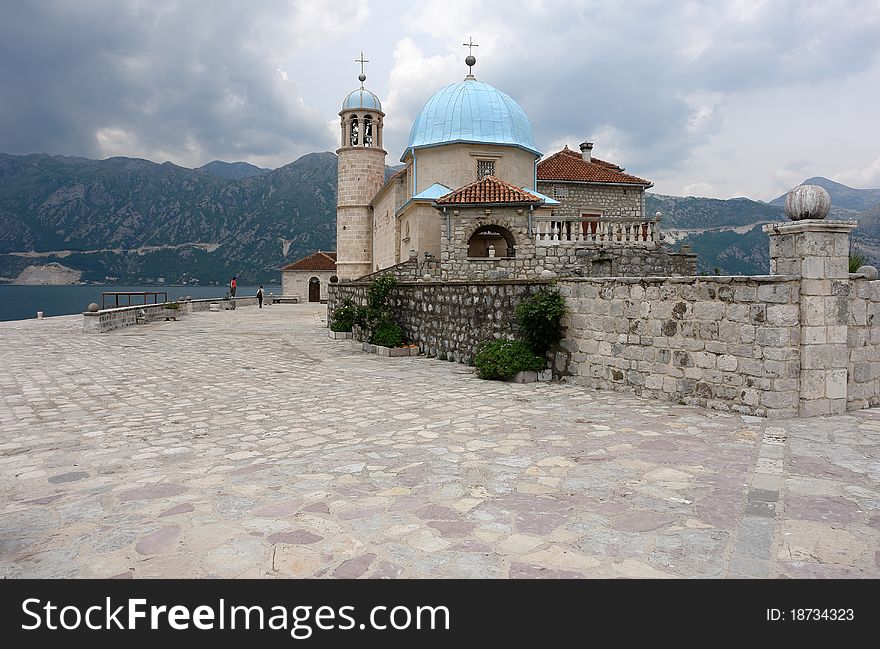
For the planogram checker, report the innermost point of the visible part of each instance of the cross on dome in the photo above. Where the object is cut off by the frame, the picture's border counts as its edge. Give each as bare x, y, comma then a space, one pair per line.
470, 61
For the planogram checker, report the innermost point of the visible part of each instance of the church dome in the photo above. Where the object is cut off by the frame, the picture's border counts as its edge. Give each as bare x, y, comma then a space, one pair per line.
361, 99
471, 111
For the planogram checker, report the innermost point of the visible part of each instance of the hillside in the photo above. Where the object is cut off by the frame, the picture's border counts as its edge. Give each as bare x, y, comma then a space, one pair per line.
692, 212
233, 170
126, 219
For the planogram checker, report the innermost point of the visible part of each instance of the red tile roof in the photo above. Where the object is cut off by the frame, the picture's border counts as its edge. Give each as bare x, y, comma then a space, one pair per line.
569, 165
488, 189
315, 261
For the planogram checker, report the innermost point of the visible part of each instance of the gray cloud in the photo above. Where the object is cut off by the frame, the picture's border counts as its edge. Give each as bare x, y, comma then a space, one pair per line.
693, 95
188, 79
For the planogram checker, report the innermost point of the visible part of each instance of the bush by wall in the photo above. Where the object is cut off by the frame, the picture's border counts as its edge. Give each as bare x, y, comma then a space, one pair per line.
388, 334
539, 317
343, 317
501, 359
376, 318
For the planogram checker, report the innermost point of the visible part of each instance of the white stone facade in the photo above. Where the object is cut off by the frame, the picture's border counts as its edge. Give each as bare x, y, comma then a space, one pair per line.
296, 283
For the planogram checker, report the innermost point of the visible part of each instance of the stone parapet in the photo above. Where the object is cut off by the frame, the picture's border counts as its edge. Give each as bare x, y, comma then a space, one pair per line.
727, 343
106, 320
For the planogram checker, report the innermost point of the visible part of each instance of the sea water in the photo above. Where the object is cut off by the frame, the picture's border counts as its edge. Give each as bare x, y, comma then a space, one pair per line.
22, 302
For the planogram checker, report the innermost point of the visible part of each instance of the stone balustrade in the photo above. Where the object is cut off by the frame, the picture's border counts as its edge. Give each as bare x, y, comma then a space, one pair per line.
598, 231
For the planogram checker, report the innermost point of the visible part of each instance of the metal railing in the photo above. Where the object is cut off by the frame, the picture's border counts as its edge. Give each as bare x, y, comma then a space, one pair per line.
626, 231
114, 296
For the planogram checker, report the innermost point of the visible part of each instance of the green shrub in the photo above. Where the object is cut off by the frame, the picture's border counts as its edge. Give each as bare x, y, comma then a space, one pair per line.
539, 317
379, 290
501, 359
172, 305
388, 334
375, 318
343, 317
856, 262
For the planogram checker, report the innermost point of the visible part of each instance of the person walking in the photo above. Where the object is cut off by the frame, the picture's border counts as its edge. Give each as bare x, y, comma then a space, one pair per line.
260, 297
232, 286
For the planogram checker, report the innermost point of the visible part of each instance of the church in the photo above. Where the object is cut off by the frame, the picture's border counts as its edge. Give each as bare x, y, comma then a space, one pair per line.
476, 200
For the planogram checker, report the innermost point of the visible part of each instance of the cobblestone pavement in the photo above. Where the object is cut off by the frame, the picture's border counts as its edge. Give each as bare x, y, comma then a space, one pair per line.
248, 444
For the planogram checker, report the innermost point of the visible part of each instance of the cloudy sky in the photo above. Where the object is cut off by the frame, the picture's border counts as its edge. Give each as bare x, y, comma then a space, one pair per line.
735, 98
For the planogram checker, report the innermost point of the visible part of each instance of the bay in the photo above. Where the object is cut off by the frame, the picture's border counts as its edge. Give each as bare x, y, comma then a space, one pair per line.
19, 302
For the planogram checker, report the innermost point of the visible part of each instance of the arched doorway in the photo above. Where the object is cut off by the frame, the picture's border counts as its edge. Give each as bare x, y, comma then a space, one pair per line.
491, 241
314, 290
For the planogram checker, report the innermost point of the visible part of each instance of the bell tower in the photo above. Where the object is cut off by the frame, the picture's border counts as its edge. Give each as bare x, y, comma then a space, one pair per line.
361, 174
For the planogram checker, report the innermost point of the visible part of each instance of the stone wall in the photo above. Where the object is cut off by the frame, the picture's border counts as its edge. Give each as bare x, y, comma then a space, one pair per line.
863, 341
606, 200
730, 343
106, 320
614, 261
448, 319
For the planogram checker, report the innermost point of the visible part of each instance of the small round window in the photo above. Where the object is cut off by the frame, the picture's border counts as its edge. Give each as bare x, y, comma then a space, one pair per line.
333, 279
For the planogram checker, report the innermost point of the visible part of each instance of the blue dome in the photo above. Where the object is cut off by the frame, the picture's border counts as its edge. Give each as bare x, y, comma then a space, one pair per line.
361, 99
471, 111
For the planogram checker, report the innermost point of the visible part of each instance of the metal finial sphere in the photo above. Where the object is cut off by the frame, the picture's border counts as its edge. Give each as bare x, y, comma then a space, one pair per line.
362, 77
470, 61
807, 202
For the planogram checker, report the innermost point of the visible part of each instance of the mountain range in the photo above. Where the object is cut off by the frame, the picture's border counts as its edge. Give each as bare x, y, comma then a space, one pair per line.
727, 236
127, 220
131, 220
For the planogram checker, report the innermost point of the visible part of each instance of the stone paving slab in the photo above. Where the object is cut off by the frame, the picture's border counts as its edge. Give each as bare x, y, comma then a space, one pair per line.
248, 443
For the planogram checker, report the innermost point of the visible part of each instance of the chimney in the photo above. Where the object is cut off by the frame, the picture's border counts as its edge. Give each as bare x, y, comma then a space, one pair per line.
587, 151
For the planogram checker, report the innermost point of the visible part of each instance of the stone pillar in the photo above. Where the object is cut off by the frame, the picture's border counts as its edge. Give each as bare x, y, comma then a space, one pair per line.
818, 252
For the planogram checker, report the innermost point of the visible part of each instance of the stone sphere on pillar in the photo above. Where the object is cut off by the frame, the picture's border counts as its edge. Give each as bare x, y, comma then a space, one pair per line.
807, 202
868, 271
93, 308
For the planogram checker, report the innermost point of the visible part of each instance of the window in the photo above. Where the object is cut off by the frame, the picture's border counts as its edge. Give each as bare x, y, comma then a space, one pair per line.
485, 168
560, 192
334, 279
368, 131
354, 131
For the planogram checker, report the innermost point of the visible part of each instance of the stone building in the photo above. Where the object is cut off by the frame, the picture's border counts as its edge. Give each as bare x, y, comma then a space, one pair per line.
475, 201
307, 279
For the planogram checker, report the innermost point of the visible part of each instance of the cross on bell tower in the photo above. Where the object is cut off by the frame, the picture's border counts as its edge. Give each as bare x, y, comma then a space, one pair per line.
470, 61
362, 77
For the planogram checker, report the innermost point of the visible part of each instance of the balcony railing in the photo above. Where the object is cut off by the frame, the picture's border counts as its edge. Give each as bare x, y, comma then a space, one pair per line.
597, 231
